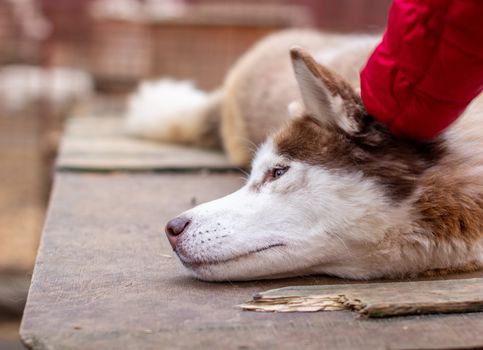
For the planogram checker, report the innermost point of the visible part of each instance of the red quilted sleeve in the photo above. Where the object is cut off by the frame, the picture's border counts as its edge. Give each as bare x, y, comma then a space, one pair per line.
428, 67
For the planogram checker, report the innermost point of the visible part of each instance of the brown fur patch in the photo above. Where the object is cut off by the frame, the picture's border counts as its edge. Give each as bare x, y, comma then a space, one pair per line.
448, 211
395, 163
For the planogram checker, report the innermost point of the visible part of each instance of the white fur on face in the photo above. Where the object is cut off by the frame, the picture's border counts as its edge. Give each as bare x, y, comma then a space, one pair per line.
310, 220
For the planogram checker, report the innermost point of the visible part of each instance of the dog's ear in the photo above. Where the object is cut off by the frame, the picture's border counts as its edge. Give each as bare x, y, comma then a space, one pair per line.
326, 96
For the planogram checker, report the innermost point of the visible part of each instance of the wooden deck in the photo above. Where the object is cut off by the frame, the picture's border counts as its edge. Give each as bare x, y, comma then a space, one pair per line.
106, 278
99, 144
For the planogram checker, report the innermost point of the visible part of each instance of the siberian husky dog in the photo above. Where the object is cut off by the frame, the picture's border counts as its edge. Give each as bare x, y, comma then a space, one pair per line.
330, 190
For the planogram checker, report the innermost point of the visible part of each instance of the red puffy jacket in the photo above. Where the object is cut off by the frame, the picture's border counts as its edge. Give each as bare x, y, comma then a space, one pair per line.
428, 67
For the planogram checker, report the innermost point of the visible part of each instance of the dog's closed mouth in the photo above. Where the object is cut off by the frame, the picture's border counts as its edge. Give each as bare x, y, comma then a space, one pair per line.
200, 263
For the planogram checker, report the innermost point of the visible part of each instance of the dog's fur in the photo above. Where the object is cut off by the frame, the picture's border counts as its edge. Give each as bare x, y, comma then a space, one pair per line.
331, 191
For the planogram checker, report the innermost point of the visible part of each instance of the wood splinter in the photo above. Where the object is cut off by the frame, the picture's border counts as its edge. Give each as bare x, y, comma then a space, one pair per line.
375, 299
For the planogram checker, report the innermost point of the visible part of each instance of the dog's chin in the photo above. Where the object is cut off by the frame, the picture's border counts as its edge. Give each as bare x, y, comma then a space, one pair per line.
229, 272
240, 274
243, 267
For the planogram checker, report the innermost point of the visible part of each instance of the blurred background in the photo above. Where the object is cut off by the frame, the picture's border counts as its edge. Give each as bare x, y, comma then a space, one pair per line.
59, 57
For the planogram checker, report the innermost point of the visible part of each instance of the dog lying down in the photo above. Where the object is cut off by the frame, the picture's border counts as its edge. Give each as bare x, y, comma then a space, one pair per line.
330, 191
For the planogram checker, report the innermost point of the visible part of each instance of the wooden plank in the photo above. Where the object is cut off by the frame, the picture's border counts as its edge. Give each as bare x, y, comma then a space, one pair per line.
376, 299
100, 144
106, 278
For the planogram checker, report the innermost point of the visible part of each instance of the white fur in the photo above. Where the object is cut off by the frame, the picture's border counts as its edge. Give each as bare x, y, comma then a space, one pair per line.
295, 109
163, 109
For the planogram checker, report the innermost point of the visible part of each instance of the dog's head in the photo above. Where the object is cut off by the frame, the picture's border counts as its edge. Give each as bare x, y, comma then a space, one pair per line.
325, 195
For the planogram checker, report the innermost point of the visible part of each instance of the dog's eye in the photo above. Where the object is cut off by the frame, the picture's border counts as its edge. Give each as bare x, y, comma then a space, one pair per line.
274, 173
278, 171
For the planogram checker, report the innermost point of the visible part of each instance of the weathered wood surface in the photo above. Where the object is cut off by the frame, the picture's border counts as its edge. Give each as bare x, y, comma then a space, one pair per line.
100, 144
376, 299
106, 278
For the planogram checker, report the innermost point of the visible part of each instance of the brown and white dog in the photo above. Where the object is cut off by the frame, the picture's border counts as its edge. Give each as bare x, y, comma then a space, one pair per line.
331, 191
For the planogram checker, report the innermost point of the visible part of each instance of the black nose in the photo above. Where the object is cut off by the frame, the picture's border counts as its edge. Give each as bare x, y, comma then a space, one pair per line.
174, 229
